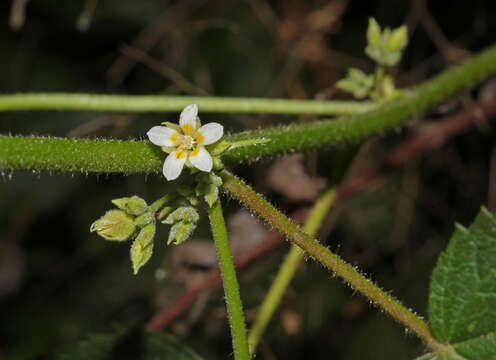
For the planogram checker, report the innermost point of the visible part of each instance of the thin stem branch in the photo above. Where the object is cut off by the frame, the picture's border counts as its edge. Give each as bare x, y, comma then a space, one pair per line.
230, 283
39, 153
158, 103
352, 276
287, 270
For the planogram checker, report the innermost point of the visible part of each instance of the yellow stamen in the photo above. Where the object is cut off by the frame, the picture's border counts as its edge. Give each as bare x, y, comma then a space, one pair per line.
180, 154
199, 138
188, 129
174, 137
195, 152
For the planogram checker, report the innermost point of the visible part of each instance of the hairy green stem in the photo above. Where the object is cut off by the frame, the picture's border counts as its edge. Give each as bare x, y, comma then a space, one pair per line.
39, 153
230, 283
130, 103
353, 277
288, 268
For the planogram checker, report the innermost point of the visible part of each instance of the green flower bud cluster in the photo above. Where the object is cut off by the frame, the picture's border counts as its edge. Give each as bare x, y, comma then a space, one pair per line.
183, 221
357, 83
134, 219
385, 48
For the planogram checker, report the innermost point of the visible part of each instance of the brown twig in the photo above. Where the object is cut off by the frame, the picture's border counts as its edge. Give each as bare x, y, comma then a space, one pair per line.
18, 14
163, 69
166, 316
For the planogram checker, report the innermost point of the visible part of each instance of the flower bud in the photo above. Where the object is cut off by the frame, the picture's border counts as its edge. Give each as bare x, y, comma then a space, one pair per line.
144, 219
184, 213
133, 205
180, 232
142, 248
115, 225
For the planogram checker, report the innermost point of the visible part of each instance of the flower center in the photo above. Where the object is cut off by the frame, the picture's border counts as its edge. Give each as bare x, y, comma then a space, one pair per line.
185, 142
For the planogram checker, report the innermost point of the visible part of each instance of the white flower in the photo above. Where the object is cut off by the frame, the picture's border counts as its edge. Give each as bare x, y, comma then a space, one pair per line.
187, 144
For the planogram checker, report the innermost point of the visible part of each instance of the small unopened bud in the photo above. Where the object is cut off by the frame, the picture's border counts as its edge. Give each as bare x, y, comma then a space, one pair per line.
142, 248
132, 205
180, 232
184, 213
211, 194
115, 225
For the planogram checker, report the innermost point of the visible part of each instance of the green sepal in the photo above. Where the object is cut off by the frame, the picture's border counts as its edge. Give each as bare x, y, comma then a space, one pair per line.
185, 190
208, 187
142, 248
180, 232
168, 149
211, 194
217, 165
164, 212
198, 123
211, 178
249, 142
144, 219
133, 205
184, 213
115, 225
173, 126
218, 147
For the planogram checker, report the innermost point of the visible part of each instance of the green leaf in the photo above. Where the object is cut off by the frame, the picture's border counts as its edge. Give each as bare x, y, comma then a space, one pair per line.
115, 225
398, 39
462, 299
133, 205
142, 248
144, 219
130, 344
374, 37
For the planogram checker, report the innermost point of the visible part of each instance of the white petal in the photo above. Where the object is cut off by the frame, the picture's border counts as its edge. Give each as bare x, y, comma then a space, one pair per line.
201, 159
173, 164
187, 119
210, 133
161, 135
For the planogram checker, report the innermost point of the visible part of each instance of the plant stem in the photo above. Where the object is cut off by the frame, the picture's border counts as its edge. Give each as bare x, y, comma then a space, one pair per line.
133, 103
287, 270
230, 283
41, 153
353, 277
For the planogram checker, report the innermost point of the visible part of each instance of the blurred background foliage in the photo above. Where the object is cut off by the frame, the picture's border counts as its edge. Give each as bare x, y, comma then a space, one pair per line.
59, 283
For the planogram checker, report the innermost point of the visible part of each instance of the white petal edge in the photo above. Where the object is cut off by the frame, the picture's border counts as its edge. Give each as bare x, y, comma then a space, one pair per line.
211, 132
161, 135
188, 116
202, 161
173, 166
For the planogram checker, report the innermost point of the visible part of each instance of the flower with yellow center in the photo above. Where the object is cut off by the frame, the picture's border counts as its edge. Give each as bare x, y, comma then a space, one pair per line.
188, 143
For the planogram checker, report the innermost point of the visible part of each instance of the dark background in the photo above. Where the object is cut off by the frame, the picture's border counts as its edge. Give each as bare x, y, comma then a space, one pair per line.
59, 283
